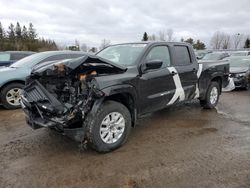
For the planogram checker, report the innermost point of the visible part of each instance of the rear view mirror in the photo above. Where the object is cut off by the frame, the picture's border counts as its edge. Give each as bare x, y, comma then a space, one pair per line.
151, 65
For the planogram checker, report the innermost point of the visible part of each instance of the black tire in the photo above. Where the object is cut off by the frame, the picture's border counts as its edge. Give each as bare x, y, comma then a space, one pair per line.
93, 125
208, 103
247, 86
5, 91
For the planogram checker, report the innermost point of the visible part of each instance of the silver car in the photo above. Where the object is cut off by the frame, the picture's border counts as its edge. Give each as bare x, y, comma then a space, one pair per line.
12, 78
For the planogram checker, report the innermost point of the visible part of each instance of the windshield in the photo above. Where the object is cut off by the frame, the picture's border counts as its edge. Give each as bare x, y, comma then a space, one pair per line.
239, 62
29, 61
212, 56
4, 57
124, 54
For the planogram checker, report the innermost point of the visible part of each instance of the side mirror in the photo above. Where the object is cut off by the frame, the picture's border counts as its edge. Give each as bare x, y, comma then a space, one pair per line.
151, 65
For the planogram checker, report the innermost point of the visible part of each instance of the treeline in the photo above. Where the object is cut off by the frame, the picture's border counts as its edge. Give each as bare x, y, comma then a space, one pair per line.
219, 40
222, 40
169, 37
24, 39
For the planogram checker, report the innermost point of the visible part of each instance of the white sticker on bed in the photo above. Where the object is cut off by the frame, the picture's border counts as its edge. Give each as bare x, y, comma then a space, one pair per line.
197, 91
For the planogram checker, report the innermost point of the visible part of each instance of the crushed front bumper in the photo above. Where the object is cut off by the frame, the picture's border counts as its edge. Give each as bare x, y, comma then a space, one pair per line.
37, 121
240, 82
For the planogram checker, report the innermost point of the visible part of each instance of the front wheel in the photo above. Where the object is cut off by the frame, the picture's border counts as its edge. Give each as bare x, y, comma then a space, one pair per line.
110, 127
212, 96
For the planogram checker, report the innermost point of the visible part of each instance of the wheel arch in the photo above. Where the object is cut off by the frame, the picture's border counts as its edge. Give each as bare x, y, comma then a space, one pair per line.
205, 82
126, 95
11, 82
219, 80
127, 100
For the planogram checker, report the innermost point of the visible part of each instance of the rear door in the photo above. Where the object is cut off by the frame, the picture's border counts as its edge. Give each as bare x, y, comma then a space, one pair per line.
186, 68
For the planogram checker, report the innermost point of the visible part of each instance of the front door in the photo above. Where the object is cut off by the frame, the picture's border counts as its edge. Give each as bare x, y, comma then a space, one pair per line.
156, 87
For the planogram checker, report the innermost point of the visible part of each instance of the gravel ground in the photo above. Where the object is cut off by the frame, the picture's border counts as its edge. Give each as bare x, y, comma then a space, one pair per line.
182, 146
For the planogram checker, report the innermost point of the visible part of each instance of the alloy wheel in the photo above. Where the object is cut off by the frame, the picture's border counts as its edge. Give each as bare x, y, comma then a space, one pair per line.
13, 96
112, 127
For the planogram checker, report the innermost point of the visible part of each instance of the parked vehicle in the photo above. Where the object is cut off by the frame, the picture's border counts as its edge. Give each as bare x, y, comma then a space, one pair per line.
12, 78
201, 53
215, 56
240, 53
9, 57
240, 71
98, 99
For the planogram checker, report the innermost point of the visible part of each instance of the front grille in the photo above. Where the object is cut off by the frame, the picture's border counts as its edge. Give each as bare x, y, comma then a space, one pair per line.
34, 93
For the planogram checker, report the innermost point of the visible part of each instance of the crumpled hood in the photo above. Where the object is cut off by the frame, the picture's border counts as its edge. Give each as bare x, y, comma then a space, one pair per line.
85, 61
238, 69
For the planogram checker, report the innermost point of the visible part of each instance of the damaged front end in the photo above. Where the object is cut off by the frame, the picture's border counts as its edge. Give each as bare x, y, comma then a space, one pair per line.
59, 95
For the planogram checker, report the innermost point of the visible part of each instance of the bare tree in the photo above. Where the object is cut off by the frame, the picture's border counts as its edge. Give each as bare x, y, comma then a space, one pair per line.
216, 40
84, 47
237, 39
62, 46
170, 33
104, 43
77, 45
226, 41
152, 37
162, 36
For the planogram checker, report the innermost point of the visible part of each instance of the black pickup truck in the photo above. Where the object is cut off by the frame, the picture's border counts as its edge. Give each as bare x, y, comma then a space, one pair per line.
96, 99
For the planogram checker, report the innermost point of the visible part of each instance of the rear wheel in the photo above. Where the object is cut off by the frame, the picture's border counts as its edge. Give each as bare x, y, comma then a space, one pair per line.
11, 95
212, 96
110, 127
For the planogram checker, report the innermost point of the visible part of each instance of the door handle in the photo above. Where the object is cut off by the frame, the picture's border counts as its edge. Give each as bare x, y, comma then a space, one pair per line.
173, 73
194, 69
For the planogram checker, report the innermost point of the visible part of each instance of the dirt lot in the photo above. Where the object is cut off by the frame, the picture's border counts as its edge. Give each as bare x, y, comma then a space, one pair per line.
183, 146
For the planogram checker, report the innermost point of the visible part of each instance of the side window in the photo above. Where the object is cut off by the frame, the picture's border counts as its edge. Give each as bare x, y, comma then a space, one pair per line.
159, 53
17, 56
182, 56
56, 57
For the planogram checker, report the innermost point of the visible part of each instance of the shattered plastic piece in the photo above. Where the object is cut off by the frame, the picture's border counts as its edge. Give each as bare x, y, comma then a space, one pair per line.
230, 86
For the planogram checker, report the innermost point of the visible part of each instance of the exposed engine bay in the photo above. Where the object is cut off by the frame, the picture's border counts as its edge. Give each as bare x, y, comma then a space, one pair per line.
62, 94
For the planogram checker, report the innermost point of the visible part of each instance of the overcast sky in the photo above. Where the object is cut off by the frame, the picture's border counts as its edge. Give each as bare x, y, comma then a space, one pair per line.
90, 21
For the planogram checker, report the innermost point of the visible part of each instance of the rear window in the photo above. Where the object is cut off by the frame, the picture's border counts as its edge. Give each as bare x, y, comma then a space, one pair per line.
182, 56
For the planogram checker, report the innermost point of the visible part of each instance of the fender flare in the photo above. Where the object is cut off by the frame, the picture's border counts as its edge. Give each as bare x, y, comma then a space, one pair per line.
113, 90
208, 81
